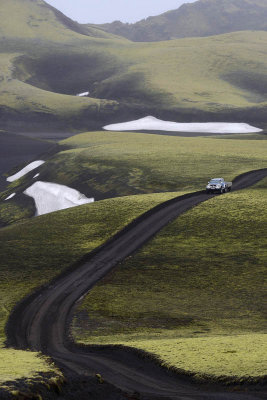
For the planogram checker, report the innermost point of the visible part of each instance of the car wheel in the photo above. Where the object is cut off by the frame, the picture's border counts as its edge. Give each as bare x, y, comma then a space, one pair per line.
221, 191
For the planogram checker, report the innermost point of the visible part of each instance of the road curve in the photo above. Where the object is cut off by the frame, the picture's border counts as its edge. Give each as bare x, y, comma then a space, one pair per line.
41, 321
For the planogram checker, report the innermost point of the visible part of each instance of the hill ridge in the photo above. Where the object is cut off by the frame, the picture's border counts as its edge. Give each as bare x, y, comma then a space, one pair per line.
198, 19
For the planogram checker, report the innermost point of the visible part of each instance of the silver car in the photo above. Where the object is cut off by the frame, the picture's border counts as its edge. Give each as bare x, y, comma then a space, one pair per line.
218, 185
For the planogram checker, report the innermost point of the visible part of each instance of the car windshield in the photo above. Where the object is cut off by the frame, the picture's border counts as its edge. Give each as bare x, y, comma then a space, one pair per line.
215, 181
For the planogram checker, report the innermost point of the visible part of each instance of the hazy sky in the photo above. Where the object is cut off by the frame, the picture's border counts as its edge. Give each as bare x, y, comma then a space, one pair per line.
100, 11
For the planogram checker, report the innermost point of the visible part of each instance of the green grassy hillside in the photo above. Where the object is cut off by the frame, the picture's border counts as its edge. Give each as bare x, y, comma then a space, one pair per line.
32, 31
48, 244
109, 164
27, 107
29, 19
45, 246
202, 18
225, 70
229, 359
112, 164
22, 371
159, 278
46, 60
193, 295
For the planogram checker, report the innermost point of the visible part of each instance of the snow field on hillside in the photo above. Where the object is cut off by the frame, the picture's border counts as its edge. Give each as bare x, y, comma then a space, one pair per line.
50, 197
84, 94
30, 167
10, 197
152, 123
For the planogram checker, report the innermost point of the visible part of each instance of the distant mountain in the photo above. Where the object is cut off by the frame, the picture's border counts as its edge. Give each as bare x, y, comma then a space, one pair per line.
202, 18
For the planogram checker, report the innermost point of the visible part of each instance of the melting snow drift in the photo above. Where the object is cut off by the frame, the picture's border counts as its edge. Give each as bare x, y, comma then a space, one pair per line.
51, 197
10, 197
25, 170
152, 123
83, 94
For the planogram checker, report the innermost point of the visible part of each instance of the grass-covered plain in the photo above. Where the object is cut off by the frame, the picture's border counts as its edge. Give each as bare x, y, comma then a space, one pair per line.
199, 278
108, 164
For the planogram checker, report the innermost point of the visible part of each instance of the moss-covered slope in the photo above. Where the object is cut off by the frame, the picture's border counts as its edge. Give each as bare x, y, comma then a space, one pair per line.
108, 164
45, 246
200, 278
112, 164
46, 60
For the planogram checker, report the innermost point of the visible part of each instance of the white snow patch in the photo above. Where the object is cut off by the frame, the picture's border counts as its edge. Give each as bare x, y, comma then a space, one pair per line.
36, 176
83, 94
152, 123
50, 197
25, 170
11, 196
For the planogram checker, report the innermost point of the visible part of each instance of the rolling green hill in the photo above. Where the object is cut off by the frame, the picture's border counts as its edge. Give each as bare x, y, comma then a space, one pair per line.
197, 287
193, 295
46, 246
33, 32
31, 19
201, 18
167, 286
111, 164
46, 61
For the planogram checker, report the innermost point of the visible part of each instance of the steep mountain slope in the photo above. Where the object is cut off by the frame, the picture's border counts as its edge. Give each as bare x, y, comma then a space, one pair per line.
32, 31
36, 18
202, 18
45, 62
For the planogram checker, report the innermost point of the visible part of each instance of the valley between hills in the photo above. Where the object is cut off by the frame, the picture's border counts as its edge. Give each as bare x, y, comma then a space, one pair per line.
121, 278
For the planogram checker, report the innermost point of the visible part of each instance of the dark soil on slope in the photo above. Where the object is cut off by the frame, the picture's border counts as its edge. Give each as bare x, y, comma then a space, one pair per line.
16, 150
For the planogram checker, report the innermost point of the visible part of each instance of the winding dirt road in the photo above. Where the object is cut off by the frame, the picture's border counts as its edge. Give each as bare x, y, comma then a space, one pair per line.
41, 321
